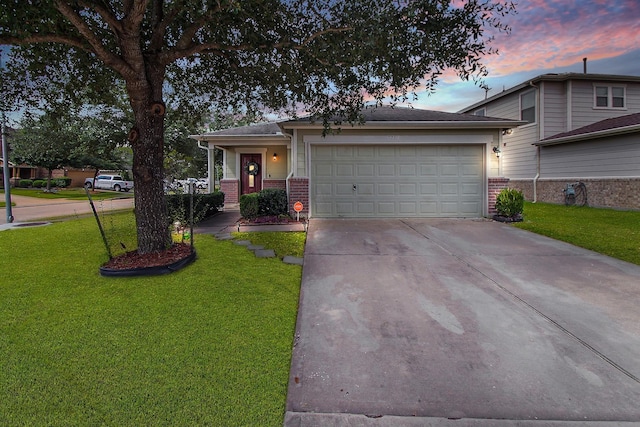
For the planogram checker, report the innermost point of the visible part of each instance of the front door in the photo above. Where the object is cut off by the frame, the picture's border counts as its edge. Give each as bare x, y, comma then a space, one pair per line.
251, 181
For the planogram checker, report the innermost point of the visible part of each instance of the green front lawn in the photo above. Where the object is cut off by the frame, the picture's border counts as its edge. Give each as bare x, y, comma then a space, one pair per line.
611, 232
208, 345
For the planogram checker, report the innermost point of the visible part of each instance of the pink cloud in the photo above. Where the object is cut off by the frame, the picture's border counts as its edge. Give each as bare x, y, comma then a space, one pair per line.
547, 34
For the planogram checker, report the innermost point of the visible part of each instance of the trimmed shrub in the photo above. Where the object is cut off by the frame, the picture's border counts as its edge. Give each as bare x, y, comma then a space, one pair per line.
249, 205
25, 183
204, 205
273, 201
39, 183
62, 182
510, 202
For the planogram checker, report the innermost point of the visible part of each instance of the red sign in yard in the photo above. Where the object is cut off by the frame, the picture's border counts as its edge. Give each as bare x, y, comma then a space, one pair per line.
297, 206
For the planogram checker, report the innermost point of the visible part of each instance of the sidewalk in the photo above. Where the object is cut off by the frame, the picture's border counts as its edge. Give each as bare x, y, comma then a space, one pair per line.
29, 209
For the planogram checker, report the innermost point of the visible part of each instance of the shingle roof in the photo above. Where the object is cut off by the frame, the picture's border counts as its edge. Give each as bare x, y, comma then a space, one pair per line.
615, 123
262, 129
406, 114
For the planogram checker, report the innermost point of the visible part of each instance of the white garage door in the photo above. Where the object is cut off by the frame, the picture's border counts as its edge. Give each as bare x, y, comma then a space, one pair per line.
360, 181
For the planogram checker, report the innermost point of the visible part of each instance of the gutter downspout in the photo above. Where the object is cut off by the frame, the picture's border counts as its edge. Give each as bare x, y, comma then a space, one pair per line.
535, 179
212, 185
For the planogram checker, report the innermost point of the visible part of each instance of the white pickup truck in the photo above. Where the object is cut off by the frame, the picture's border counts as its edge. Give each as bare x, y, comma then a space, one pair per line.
109, 182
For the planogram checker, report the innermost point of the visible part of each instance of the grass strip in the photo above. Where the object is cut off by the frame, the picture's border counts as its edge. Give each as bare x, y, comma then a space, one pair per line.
610, 232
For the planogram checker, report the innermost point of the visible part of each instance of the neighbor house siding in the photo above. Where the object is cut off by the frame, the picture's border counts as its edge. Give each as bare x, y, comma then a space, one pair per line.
583, 113
614, 156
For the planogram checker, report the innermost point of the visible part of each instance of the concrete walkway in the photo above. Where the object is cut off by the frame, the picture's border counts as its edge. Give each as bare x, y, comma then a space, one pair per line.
461, 323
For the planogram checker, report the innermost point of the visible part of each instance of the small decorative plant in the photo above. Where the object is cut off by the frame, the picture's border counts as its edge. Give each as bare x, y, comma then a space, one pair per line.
510, 204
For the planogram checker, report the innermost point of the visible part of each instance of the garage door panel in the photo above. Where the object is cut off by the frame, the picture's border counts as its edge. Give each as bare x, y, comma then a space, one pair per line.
428, 189
366, 170
448, 189
366, 189
449, 169
387, 170
428, 170
407, 170
470, 188
397, 181
408, 189
324, 189
386, 208
344, 189
408, 208
386, 189
345, 170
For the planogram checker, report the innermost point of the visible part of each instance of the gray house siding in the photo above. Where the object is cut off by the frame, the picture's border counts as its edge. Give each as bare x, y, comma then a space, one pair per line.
519, 159
554, 108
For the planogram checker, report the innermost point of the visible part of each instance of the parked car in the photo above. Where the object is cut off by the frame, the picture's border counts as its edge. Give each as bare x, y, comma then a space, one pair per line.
108, 182
200, 183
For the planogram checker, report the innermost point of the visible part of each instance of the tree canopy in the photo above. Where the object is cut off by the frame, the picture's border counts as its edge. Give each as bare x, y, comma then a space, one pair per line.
322, 57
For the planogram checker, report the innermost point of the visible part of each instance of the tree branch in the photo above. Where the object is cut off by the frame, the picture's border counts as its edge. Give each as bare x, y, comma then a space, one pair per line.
109, 58
195, 48
160, 28
47, 38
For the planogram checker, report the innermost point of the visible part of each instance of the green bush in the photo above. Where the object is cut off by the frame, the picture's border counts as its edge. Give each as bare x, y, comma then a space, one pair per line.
204, 205
25, 183
510, 202
249, 205
273, 201
62, 182
39, 183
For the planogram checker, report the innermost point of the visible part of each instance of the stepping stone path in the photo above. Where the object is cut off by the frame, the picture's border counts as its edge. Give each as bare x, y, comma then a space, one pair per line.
261, 252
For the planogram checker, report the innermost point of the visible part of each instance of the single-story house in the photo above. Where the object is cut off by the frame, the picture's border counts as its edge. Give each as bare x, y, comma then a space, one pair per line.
401, 162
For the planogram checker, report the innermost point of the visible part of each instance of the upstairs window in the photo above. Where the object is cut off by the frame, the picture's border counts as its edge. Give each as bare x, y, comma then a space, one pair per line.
528, 106
480, 112
609, 96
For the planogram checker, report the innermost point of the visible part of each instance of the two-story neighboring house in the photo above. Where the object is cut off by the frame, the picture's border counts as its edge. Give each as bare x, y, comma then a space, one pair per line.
582, 127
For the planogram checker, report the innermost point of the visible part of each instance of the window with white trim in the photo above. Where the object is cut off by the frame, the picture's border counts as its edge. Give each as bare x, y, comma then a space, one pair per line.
481, 112
528, 106
605, 96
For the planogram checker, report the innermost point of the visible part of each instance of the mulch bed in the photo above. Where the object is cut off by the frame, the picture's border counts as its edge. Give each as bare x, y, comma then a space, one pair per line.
133, 259
267, 220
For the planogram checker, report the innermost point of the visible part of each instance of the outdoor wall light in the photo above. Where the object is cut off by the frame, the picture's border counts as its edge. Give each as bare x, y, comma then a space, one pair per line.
497, 151
507, 131
275, 156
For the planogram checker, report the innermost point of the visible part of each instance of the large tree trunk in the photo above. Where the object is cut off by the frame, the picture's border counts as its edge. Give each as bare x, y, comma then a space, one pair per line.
147, 141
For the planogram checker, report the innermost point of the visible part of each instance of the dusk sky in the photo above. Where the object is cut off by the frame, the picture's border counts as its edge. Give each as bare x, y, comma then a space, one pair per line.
550, 36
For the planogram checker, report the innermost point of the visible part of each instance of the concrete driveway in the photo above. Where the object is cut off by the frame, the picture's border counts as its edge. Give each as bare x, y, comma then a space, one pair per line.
461, 322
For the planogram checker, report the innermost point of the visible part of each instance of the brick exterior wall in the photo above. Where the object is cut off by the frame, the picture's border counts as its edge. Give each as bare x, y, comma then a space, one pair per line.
299, 192
280, 184
620, 193
495, 186
231, 190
